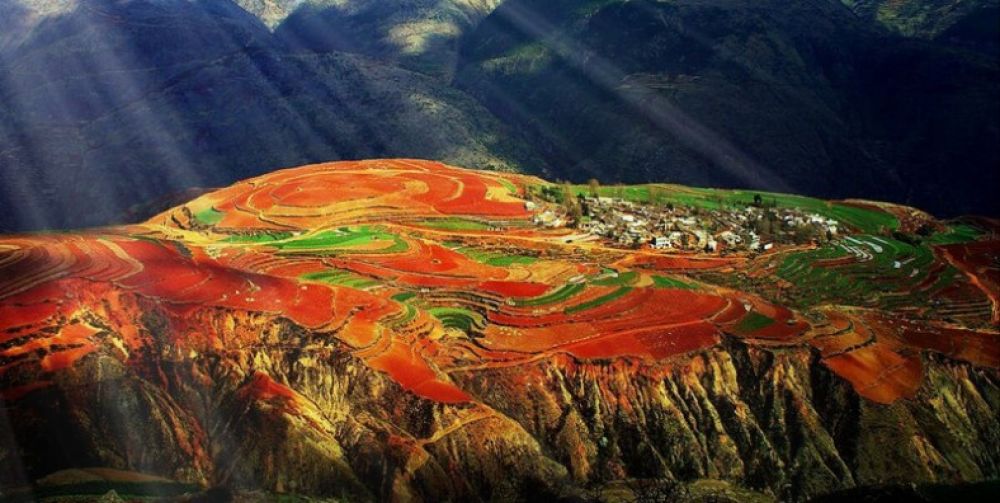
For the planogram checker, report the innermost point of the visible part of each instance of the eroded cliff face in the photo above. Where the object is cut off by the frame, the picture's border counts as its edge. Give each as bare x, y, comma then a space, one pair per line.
254, 402
258, 403
773, 419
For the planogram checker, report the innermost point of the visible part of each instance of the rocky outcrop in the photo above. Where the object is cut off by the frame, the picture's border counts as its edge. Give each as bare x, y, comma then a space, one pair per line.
262, 404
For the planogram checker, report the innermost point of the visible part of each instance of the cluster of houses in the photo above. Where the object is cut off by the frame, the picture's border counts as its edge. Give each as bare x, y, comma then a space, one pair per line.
750, 228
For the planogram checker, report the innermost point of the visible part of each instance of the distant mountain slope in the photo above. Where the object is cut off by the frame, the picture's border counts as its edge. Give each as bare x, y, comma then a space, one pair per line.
117, 103
418, 34
800, 96
969, 21
141, 98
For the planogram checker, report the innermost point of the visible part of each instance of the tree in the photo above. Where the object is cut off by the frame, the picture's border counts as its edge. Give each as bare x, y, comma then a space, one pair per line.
595, 187
567, 194
571, 204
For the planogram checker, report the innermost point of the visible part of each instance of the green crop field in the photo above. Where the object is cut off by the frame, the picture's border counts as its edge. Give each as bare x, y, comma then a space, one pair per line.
454, 224
338, 277
494, 258
958, 233
753, 322
456, 317
408, 315
258, 238
511, 188
623, 279
878, 266
668, 282
209, 216
403, 296
342, 240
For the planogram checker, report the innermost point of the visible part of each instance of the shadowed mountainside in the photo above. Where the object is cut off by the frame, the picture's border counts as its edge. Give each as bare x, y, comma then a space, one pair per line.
113, 104
800, 96
141, 98
974, 23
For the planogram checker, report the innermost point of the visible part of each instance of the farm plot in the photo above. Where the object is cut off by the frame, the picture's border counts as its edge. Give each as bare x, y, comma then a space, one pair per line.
860, 270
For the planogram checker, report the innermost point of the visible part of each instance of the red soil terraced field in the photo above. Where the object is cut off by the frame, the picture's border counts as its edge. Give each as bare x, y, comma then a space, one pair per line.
980, 261
351, 193
362, 256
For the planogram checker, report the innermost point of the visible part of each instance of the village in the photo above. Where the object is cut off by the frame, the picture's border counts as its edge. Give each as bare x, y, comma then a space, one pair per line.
752, 228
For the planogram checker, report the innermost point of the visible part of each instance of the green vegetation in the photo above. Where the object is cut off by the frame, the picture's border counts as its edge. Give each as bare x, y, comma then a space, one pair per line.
860, 270
622, 279
604, 299
753, 322
958, 233
866, 220
509, 185
341, 240
668, 282
497, 259
339, 277
403, 296
209, 216
456, 317
408, 316
258, 238
454, 224
562, 293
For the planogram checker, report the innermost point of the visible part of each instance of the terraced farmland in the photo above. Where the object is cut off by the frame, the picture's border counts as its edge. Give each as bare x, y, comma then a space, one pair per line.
865, 270
387, 308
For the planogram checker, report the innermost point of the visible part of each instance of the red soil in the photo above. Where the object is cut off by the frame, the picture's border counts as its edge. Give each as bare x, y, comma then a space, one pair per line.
980, 261
50, 283
878, 373
514, 288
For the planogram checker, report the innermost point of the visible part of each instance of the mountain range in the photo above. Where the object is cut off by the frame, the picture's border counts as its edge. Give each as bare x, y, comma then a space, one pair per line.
109, 104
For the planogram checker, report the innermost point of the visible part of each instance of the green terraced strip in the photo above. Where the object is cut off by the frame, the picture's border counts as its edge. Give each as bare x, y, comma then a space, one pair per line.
667, 282
403, 296
455, 317
339, 277
509, 260
604, 299
509, 185
408, 316
267, 237
754, 322
454, 224
564, 292
858, 282
341, 240
496, 259
209, 216
623, 279
960, 233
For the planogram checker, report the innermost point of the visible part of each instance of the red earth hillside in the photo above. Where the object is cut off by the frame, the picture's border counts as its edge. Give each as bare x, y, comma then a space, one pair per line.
424, 273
